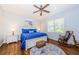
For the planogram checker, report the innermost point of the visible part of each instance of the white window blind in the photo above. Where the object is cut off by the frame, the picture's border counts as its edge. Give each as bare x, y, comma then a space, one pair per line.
56, 25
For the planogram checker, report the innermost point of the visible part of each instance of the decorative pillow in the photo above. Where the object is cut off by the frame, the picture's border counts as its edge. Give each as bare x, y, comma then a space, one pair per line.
25, 31
34, 30
31, 31
28, 30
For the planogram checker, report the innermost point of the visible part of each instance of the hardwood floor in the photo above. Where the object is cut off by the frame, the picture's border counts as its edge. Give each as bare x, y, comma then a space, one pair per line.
14, 49
72, 50
11, 49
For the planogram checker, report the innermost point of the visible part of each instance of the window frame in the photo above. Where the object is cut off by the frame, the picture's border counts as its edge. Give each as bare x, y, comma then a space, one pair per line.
54, 25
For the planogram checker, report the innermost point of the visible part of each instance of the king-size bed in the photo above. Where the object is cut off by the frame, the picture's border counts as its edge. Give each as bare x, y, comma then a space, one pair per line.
29, 37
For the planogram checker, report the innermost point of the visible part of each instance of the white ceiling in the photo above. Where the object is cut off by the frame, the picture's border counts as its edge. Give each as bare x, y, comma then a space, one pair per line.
28, 9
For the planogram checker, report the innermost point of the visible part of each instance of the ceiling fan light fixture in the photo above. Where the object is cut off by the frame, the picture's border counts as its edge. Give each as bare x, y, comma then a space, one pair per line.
41, 9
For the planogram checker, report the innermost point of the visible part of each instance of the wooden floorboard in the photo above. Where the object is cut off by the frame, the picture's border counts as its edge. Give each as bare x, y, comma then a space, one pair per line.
14, 49
73, 50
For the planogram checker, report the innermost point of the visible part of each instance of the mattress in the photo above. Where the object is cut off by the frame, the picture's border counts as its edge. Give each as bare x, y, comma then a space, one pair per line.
32, 42
30, 36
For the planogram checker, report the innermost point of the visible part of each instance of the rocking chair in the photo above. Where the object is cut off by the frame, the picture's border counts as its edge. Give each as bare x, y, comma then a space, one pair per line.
64, 39
75, 41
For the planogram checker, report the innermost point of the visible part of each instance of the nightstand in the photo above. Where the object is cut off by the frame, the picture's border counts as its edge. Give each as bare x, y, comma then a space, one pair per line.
12, 38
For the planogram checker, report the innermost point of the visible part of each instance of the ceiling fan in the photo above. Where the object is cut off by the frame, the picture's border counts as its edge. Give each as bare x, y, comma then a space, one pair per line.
41, 9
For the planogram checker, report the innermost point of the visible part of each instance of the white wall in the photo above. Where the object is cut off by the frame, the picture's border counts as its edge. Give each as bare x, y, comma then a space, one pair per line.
71, 22
11, 20
1, 26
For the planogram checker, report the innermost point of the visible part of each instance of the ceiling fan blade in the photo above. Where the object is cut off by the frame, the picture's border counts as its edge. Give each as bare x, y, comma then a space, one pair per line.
36, 6
46, 11
45, 6
41, 13
36, 11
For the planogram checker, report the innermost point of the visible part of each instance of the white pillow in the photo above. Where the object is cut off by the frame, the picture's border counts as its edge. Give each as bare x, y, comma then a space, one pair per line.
31, 31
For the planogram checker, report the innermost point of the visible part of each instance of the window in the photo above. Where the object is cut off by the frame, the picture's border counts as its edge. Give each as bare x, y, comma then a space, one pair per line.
51, 26
56, 25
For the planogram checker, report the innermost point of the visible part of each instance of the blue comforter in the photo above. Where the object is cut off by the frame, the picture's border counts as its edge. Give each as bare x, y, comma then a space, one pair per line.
27, 36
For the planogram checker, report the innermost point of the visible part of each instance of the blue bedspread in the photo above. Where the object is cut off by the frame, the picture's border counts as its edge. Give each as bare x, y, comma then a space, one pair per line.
27, 36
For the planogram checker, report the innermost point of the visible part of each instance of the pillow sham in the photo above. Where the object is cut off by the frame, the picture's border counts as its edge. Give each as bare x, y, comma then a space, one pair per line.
28, 30
25, 31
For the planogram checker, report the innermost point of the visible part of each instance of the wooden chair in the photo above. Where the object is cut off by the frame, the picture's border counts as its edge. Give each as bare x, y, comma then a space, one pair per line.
75, 41
64, 39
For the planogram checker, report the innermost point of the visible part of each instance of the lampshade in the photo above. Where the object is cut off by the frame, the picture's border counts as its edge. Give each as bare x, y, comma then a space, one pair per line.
13, 29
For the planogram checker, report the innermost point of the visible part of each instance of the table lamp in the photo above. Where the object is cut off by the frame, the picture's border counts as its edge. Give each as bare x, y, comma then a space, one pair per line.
13, 31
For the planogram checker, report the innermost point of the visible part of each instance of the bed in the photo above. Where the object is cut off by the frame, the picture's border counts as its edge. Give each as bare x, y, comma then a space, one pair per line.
29, 37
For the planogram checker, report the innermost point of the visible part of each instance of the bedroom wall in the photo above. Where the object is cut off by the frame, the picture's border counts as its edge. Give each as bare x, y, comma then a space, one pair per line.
1, 25
15, 21
71, 22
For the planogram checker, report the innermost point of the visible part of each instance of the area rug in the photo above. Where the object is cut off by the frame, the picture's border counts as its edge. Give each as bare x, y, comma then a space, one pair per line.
48, 49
